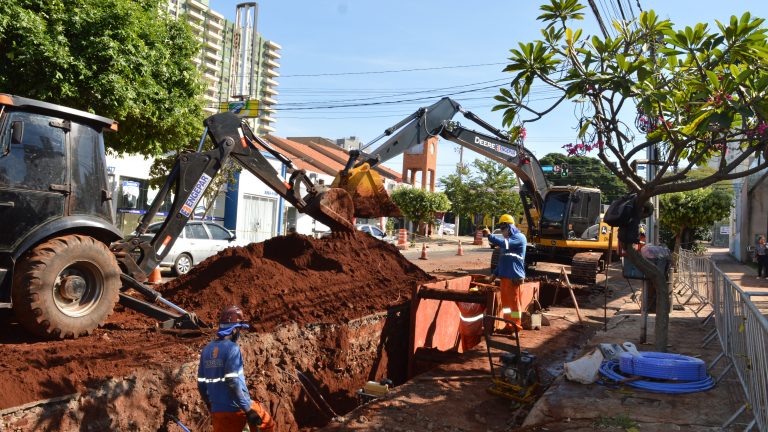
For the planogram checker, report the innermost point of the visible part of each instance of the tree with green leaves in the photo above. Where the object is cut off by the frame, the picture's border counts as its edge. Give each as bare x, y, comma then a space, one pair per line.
585, 171
457, 190
489, 189
697, 93
685, 212
123, 59
420, 205
493, 188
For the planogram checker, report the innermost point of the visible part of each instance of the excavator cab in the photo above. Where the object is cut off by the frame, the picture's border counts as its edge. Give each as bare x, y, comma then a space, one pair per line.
569, 212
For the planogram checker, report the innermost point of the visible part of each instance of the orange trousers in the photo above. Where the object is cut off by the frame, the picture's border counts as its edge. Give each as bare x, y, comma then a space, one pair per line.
235, 421
512, 301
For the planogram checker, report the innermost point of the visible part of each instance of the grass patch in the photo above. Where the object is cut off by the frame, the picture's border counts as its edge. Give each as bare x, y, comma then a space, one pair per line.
619, 421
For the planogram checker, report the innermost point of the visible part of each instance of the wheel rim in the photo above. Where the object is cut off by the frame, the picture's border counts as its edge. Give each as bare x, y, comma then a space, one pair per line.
183, 264
78, 289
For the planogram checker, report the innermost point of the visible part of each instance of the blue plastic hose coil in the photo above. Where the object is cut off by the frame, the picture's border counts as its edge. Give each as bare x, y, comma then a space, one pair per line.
663, 366
611, 370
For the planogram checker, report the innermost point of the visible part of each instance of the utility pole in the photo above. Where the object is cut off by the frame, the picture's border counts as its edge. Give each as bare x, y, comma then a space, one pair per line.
460, 168
652, 153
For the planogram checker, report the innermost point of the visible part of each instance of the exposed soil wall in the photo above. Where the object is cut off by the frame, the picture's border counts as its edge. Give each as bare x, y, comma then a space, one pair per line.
333, 359
309, 303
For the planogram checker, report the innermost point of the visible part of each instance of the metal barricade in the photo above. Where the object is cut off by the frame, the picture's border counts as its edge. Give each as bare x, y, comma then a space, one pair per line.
693, 280
740, 328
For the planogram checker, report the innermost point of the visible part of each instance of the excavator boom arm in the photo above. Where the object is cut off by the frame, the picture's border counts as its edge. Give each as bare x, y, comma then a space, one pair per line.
435, 120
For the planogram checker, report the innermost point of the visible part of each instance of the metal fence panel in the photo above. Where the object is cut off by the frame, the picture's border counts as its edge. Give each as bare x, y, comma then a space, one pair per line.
739, 327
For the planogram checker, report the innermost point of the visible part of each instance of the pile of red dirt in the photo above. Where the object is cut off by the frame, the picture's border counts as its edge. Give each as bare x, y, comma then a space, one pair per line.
294, 278
299, 278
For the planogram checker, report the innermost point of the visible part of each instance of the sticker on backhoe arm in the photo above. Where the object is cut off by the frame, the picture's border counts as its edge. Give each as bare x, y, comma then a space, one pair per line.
194, 197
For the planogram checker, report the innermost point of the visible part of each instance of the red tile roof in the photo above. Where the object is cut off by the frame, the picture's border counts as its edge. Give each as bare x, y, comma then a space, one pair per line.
301, 154
324, 146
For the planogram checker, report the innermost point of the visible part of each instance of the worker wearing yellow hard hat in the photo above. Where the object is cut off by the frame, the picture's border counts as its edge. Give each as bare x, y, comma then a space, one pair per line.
506, 219
511, 268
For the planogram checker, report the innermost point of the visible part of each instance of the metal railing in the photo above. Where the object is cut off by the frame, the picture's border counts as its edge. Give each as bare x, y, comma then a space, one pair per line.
693, 280
740, 328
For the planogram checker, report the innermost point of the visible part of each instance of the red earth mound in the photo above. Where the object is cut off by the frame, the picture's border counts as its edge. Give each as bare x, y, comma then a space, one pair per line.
294, 278
300, 279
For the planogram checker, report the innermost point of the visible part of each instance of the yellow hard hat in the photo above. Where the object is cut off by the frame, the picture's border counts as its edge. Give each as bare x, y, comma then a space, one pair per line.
505, 218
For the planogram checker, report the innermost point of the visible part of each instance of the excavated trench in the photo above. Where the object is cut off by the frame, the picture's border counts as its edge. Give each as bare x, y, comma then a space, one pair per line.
326, 315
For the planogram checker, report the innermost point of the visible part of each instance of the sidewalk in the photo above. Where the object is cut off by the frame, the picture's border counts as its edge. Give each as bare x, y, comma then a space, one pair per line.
568, 406
441, 243
743, 275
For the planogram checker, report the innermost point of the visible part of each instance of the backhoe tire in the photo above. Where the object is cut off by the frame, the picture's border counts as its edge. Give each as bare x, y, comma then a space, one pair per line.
65, 287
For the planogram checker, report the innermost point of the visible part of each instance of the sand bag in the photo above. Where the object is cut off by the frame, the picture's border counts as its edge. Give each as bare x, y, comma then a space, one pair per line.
586, 369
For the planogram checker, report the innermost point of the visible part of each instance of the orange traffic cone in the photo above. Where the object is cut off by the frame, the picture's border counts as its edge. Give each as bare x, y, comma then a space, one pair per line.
423, 251
155, 277
461, 250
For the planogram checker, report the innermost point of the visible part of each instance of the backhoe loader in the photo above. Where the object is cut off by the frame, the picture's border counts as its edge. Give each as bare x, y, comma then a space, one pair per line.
63, 263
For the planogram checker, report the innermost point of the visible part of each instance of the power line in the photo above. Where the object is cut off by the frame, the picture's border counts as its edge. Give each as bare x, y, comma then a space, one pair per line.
278, 108
631, 10
600, 22
609, 17
394, 70
621, 9
497, 81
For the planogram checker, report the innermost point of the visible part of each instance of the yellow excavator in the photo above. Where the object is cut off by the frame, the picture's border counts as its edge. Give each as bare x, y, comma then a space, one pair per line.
563, 223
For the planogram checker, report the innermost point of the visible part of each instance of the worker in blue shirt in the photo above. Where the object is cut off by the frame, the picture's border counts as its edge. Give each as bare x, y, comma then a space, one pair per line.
511, 268
221, 381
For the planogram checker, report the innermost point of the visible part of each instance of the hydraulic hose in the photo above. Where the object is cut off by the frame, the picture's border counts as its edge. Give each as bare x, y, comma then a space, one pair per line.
611, 370
665, 366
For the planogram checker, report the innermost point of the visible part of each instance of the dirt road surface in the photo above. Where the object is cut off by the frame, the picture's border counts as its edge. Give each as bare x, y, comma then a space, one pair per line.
453, 396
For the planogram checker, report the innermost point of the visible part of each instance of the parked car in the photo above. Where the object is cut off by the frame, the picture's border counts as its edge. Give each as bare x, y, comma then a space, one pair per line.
375, 232
444, 228
198, 241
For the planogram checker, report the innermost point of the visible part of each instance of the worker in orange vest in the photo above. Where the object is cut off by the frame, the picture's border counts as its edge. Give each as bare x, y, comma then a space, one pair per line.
511, 268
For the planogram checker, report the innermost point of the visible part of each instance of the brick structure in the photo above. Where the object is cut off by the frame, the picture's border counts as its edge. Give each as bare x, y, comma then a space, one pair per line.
421, 160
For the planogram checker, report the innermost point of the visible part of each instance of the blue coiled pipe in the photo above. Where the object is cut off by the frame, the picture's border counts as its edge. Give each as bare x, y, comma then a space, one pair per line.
663, 366
611, 370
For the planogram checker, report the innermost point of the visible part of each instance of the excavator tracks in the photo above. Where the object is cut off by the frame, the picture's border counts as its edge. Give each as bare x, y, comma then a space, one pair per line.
585, 267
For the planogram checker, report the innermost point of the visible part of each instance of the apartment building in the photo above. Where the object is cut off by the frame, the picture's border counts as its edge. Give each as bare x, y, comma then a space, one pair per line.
211, 29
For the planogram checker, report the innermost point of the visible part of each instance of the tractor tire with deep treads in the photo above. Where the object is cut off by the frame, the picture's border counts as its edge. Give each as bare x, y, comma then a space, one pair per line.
65, 287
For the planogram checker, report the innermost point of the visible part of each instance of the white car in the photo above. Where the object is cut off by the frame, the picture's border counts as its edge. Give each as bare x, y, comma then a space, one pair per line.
198, 241
445, 228
376, 232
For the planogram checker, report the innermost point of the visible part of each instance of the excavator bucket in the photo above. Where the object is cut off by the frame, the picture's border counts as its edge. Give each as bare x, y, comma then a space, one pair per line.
369, 196
333, 208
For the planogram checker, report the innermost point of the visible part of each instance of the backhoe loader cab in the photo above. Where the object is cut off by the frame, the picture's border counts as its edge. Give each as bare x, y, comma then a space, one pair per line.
56, 270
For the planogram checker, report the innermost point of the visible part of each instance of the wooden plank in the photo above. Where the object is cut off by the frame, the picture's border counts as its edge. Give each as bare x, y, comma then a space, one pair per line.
570, 290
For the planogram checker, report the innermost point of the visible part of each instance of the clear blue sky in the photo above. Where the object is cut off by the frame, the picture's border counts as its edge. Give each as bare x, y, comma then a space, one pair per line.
335, 50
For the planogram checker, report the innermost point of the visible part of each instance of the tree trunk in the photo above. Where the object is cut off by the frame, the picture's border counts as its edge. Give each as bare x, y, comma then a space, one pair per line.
679, 239
658, 280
